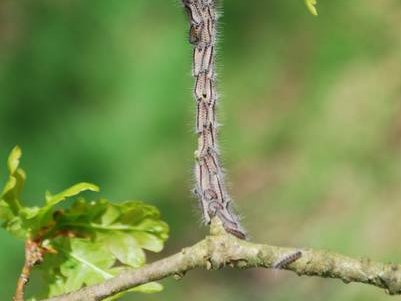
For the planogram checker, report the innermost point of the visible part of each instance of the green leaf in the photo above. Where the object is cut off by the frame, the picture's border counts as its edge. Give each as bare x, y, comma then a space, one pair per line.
310, 4
93, 256
15, 226
81, 262
44, 215
56, 286
15, 183
110, 216
89, 218
5, 211
124, 247
86, 262
69, 192
148, 241
9, 186
112, 238
14, 159
155, 227
149, 288
29, 212
90, 241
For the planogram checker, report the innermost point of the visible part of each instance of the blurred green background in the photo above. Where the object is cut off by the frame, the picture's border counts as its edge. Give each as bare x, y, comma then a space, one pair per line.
100, 91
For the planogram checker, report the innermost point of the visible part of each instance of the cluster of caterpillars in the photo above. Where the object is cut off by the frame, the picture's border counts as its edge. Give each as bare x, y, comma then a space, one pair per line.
210, 186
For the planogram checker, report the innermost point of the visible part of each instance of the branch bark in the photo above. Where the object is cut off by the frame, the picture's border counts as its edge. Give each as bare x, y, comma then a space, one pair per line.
33, 256
221, 249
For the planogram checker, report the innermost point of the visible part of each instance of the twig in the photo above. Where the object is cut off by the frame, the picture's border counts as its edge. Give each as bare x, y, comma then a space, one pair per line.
221, 250
33, 256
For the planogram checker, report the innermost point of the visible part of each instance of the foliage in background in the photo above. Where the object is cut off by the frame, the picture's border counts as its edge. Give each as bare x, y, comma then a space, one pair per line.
86, 241
311, 6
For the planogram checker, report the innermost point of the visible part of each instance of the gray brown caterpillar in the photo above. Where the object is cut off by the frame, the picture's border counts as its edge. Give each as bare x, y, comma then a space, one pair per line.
286, 260
210, 186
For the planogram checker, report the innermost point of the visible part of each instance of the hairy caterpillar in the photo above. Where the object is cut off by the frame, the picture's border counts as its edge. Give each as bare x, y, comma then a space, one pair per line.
286, 260
210, 186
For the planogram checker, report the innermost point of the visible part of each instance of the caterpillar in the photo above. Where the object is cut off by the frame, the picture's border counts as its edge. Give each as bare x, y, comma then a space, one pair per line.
286, 260
210, 185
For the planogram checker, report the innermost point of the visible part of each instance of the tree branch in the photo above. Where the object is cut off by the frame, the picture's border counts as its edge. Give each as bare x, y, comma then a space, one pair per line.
33, 256
221, 250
